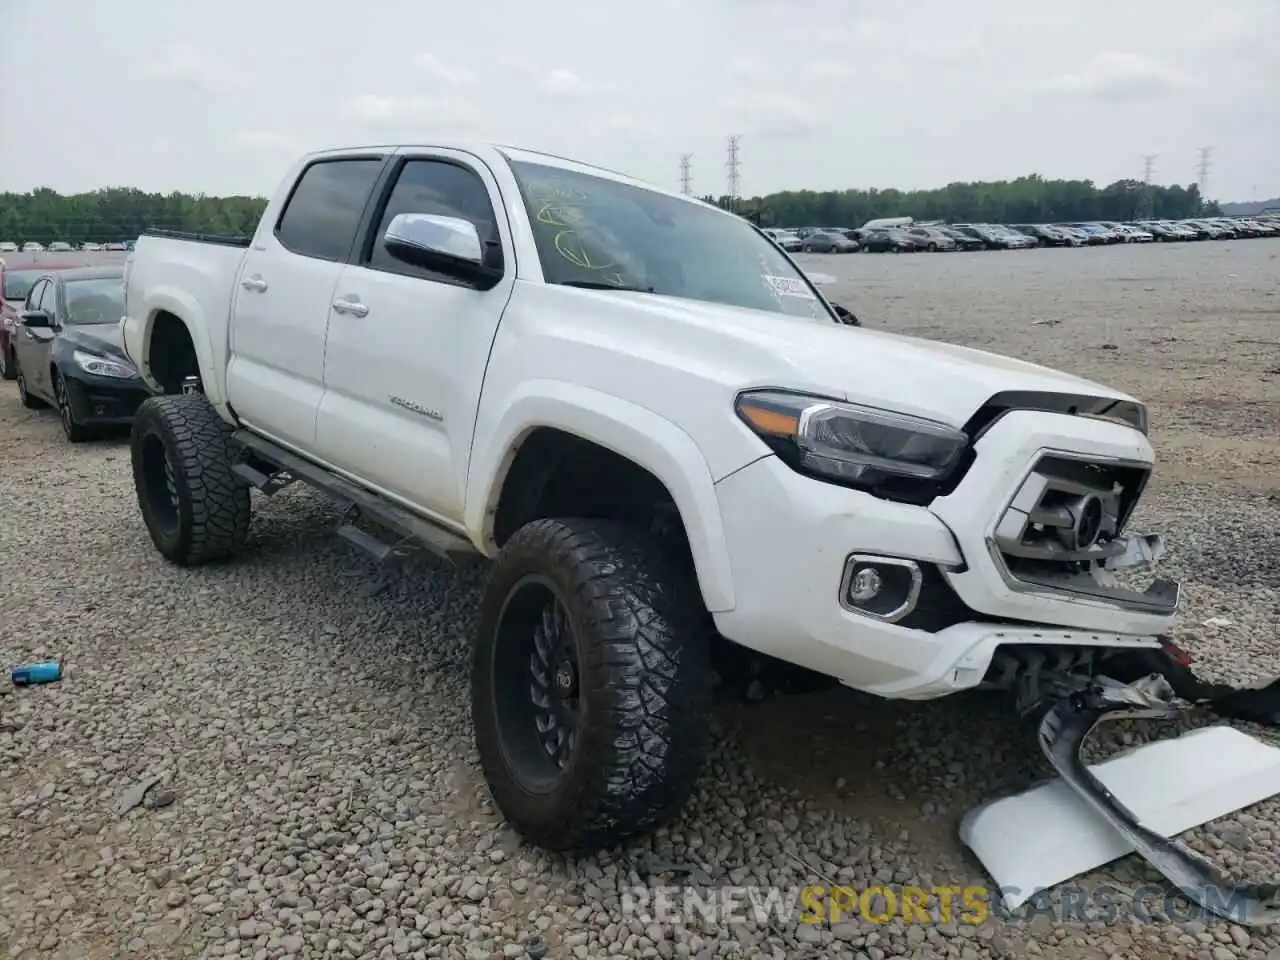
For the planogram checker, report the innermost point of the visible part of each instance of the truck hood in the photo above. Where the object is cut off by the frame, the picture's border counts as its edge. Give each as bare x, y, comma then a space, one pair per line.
751, 348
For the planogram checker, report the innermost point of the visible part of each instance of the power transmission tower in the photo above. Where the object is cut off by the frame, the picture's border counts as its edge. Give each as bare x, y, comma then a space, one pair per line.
1148, 168
686, 161
735, 180
1202, 174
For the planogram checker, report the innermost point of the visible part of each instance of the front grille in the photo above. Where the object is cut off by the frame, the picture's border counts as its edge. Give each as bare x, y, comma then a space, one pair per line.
1066, 520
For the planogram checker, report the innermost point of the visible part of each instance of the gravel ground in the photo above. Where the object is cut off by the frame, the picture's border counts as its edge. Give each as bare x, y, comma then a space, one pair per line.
306, 716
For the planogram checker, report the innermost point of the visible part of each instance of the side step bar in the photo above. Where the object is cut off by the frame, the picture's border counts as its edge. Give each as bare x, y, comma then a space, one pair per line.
445, 544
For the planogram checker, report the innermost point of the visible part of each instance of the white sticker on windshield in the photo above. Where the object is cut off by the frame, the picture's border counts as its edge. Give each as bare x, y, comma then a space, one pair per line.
789, 287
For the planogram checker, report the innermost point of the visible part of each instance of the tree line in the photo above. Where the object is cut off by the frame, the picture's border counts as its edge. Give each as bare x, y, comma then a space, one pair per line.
122, 213
1030, 199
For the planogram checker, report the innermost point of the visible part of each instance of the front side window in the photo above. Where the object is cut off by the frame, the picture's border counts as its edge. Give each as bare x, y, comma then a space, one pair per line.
34, 294
592, 231
94, 301
445, 189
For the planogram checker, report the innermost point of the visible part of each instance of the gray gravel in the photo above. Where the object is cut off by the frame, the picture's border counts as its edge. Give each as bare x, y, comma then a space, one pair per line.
273, 758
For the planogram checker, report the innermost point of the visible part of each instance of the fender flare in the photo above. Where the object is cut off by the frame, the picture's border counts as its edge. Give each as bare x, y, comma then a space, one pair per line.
185, 307
642, 436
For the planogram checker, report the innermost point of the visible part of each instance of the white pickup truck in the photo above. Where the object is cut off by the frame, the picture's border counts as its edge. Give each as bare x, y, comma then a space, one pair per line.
682, 463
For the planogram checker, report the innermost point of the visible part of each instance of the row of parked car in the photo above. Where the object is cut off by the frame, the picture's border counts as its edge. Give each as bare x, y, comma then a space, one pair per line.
61, 246
904, 235
60, 339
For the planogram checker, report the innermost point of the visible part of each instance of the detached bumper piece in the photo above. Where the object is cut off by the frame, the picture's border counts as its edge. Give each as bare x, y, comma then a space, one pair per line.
1065, 828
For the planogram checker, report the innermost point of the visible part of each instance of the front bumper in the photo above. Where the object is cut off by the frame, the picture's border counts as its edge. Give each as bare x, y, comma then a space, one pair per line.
103, 401
790, 538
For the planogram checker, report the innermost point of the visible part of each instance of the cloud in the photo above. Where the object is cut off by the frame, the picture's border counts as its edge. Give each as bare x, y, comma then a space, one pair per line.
185, 63
564, 83
262, 140
1121, 77
771, 113
441, 72
830, 70
376, 110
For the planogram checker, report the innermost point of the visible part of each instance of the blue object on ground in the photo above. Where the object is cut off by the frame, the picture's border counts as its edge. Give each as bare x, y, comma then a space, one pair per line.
48, 671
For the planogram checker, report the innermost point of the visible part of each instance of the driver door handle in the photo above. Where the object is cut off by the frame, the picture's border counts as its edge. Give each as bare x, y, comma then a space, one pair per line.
352, 308
254, 283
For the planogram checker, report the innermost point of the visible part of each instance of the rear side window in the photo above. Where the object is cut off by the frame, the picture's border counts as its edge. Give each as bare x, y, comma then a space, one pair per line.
321, 217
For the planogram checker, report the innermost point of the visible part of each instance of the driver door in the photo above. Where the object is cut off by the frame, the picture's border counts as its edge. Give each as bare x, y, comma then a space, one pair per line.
34, 346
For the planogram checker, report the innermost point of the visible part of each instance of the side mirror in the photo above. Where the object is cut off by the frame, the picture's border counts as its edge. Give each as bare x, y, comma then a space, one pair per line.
846, 316
37, 319
445, 244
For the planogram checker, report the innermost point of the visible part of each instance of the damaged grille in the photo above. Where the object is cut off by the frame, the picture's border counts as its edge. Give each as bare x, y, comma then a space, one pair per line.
1065, 522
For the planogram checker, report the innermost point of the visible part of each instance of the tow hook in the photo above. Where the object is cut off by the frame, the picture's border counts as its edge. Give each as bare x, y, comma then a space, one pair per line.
1063, 731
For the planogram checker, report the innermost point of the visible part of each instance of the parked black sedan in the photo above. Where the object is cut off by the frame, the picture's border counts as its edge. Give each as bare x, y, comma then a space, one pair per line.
889, 241
69, 350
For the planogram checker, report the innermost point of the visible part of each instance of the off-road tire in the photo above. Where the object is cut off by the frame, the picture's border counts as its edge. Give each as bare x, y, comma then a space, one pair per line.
210, 519
645, 681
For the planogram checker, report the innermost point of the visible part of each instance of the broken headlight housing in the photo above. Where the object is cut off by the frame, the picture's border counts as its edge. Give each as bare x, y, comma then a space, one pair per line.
892, 455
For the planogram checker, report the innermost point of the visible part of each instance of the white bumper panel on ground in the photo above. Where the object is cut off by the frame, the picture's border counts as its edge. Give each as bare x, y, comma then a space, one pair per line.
1048, 834
1006, 454
788, 538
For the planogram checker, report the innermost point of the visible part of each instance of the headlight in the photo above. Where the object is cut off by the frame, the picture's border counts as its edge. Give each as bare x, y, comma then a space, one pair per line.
103, 366
889, 453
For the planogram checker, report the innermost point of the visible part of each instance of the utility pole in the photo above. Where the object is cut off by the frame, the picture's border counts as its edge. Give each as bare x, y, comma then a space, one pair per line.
1148, 168
686, 162
1202, 174
735, 181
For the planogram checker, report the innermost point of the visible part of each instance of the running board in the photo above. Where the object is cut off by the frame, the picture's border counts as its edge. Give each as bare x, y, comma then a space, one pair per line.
1071, 826
410, 527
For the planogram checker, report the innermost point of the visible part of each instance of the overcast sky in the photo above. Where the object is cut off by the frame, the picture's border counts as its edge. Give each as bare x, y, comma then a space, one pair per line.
218, 97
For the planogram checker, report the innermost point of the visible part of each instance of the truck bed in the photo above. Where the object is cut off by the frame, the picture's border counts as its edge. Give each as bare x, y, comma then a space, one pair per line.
225, 240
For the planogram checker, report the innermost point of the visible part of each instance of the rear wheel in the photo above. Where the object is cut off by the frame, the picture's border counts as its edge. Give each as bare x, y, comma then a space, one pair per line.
8, 364
591, 683
195, 508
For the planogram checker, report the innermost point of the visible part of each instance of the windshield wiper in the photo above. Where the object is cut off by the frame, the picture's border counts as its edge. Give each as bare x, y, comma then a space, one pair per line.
601, 285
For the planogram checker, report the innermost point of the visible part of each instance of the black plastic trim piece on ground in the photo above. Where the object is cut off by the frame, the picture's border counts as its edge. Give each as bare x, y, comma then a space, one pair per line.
1063, 731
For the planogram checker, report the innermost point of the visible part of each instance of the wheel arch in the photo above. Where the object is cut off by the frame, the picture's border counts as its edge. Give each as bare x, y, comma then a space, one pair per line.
632, 439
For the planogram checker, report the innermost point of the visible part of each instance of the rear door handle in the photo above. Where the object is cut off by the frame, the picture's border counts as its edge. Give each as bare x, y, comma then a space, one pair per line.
351, 307
254, 283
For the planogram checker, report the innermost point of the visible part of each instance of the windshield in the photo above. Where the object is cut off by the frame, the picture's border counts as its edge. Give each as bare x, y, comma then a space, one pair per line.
95, 301
591, 231
18, 283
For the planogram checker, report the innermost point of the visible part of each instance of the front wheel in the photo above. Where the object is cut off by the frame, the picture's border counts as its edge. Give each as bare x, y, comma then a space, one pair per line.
27, 399
195, 508
591, 683
75, 432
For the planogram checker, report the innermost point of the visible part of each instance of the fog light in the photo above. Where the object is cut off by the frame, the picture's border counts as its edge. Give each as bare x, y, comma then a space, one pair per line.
884, 588
865, 585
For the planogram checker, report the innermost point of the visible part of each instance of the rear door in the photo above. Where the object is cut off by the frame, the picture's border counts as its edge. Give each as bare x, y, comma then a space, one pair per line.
280, 307
407, 350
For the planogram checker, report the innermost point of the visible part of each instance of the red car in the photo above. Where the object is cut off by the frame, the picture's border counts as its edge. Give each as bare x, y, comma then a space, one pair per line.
14, 284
